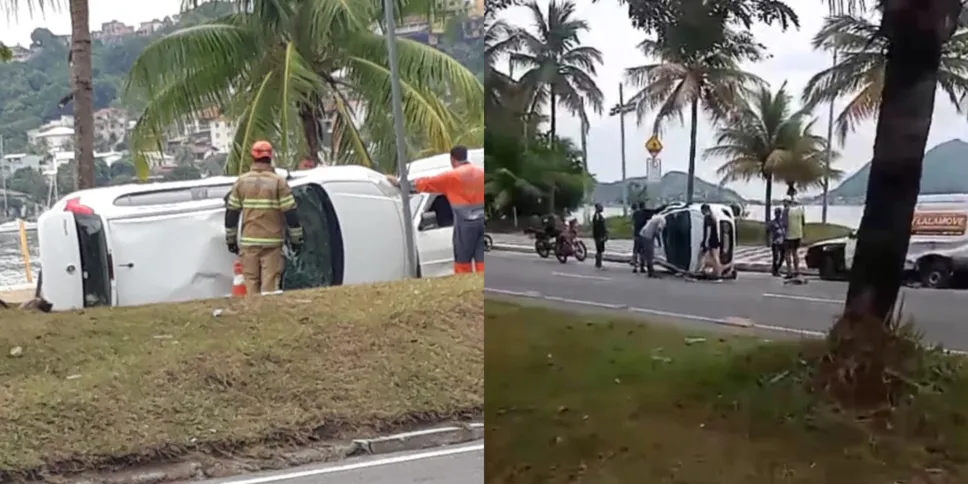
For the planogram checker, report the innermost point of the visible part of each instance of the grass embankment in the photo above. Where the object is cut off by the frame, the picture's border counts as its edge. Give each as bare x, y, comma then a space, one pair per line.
748, 232
579, 398
120, 386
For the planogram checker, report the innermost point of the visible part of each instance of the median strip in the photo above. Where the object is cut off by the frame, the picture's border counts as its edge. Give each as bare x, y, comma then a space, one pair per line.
111, 388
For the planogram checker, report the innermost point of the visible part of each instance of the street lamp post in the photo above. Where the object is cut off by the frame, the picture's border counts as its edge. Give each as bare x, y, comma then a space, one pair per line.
621, 109
399, 134
830, 135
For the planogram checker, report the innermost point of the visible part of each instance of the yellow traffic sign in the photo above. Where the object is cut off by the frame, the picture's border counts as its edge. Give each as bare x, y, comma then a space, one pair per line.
653, 145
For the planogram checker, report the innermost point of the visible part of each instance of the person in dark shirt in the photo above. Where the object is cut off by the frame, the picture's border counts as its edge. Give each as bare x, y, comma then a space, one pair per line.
776, 230
600, 234
639, 219
711, 241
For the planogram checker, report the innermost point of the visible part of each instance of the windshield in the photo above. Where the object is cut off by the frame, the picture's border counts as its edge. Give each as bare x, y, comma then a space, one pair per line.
415, 201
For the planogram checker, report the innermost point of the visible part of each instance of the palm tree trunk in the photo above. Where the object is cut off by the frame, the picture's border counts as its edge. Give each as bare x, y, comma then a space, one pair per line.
917, 34
82, 85
768, 205
310, 132
693, 130
554, 117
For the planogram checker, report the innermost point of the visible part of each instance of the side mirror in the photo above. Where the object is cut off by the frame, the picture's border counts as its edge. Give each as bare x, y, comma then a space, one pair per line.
428, 221
852, 234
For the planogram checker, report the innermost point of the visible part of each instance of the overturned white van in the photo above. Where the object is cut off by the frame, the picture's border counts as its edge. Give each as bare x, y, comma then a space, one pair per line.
683, 233
139, 244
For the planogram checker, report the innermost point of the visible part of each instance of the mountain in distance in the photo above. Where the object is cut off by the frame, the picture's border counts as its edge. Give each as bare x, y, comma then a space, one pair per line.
671, 188
945, 170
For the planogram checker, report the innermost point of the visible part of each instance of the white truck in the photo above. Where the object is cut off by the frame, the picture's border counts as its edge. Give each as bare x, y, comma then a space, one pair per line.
937, 254
147, 243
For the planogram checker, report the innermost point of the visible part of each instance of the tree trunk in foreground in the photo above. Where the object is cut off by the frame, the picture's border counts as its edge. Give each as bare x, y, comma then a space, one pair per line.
917, 30
82, 86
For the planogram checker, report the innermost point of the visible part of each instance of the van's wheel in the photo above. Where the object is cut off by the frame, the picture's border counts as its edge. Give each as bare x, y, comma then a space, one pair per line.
935, 273
828, 268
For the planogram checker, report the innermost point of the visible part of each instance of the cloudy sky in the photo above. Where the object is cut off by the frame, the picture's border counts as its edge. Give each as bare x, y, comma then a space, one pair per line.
792, 60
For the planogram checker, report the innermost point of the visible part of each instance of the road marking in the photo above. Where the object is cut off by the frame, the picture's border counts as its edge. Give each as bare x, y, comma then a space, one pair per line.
513, 293
584, 303
803, 298
361, 465
581, 276
656, 312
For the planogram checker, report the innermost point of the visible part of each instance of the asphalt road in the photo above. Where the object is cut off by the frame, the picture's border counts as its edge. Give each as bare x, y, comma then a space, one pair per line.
753, 299
461, 464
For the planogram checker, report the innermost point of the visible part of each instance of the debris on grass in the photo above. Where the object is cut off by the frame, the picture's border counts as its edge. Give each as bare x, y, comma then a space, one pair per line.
733, 410
107, 388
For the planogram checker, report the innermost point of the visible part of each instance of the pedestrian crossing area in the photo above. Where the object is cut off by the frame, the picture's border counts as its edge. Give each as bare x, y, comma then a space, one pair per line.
623, 247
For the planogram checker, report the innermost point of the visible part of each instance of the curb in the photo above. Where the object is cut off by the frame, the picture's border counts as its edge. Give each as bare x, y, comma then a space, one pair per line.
625, 258
196, 469
420, 439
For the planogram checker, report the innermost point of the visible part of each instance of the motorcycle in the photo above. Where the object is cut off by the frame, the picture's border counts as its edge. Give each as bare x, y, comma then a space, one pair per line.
576, 248
543, 244
488, 243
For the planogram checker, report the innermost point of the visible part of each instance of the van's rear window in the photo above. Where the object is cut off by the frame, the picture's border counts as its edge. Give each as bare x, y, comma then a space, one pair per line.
173, 195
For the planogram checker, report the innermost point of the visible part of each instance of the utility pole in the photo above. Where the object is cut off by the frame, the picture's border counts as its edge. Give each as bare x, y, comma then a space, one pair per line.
621, 109
830, 136
399, 134
584, 164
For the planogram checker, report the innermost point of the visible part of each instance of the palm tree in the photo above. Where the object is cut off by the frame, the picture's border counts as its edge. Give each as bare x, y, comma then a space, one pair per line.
282, 68
859, 73
760, 136
82, 85
690, 75
555, 62
805, 165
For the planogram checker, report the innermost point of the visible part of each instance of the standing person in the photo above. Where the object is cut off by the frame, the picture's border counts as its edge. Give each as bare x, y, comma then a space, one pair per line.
650, 233
795, 224
600, 234
776, 231
711, 242
639, 219
264, 202
464, 188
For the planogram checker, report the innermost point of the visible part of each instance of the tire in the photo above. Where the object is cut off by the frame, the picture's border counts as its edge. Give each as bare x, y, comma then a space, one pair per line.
935, 273
488, 243
561, 256
581, 252
542, 248
828, 268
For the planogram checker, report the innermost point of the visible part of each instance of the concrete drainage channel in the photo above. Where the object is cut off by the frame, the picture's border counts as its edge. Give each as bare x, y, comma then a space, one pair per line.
419, 440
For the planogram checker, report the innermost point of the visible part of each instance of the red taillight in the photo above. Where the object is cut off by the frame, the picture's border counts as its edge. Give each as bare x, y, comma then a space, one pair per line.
75, 206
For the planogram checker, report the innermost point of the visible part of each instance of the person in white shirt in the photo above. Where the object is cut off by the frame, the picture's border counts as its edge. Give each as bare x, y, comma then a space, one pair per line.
650, 233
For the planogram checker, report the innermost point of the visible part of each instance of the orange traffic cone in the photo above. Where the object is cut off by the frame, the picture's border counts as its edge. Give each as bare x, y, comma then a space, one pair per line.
238, 282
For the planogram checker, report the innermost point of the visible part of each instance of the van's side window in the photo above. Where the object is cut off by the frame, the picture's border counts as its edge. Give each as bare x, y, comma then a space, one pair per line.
441, 208
320, 263
94, 260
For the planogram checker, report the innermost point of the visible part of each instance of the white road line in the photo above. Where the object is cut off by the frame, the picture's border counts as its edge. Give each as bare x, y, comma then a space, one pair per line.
581, 276
513, 293
656, 312
361, 465
803, 298
584, 303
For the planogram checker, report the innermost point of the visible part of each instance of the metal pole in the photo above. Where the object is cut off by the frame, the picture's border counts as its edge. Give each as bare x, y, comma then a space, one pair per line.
621, 123
830, 135
584, 165
391, 35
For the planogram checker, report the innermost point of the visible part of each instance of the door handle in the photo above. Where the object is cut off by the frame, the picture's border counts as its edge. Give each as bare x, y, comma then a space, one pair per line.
129, 265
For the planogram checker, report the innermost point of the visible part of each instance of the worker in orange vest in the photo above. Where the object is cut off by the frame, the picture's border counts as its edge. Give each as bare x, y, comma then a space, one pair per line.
464, 188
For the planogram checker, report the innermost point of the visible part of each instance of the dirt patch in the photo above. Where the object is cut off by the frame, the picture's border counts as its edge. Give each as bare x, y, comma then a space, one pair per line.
108, 388
582, 398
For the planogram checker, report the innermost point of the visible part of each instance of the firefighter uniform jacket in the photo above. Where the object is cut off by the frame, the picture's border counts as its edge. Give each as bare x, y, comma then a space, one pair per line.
267, 207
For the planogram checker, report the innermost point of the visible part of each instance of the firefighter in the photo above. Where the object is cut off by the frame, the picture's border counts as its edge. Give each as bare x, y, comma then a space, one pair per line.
464, 188
267, 208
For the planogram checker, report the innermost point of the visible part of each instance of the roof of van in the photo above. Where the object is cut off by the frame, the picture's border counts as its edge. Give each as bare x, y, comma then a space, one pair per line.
435, 164
101, 198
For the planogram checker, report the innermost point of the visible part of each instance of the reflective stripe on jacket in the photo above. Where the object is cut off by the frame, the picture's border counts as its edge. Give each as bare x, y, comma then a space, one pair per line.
464, 188
263, 197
